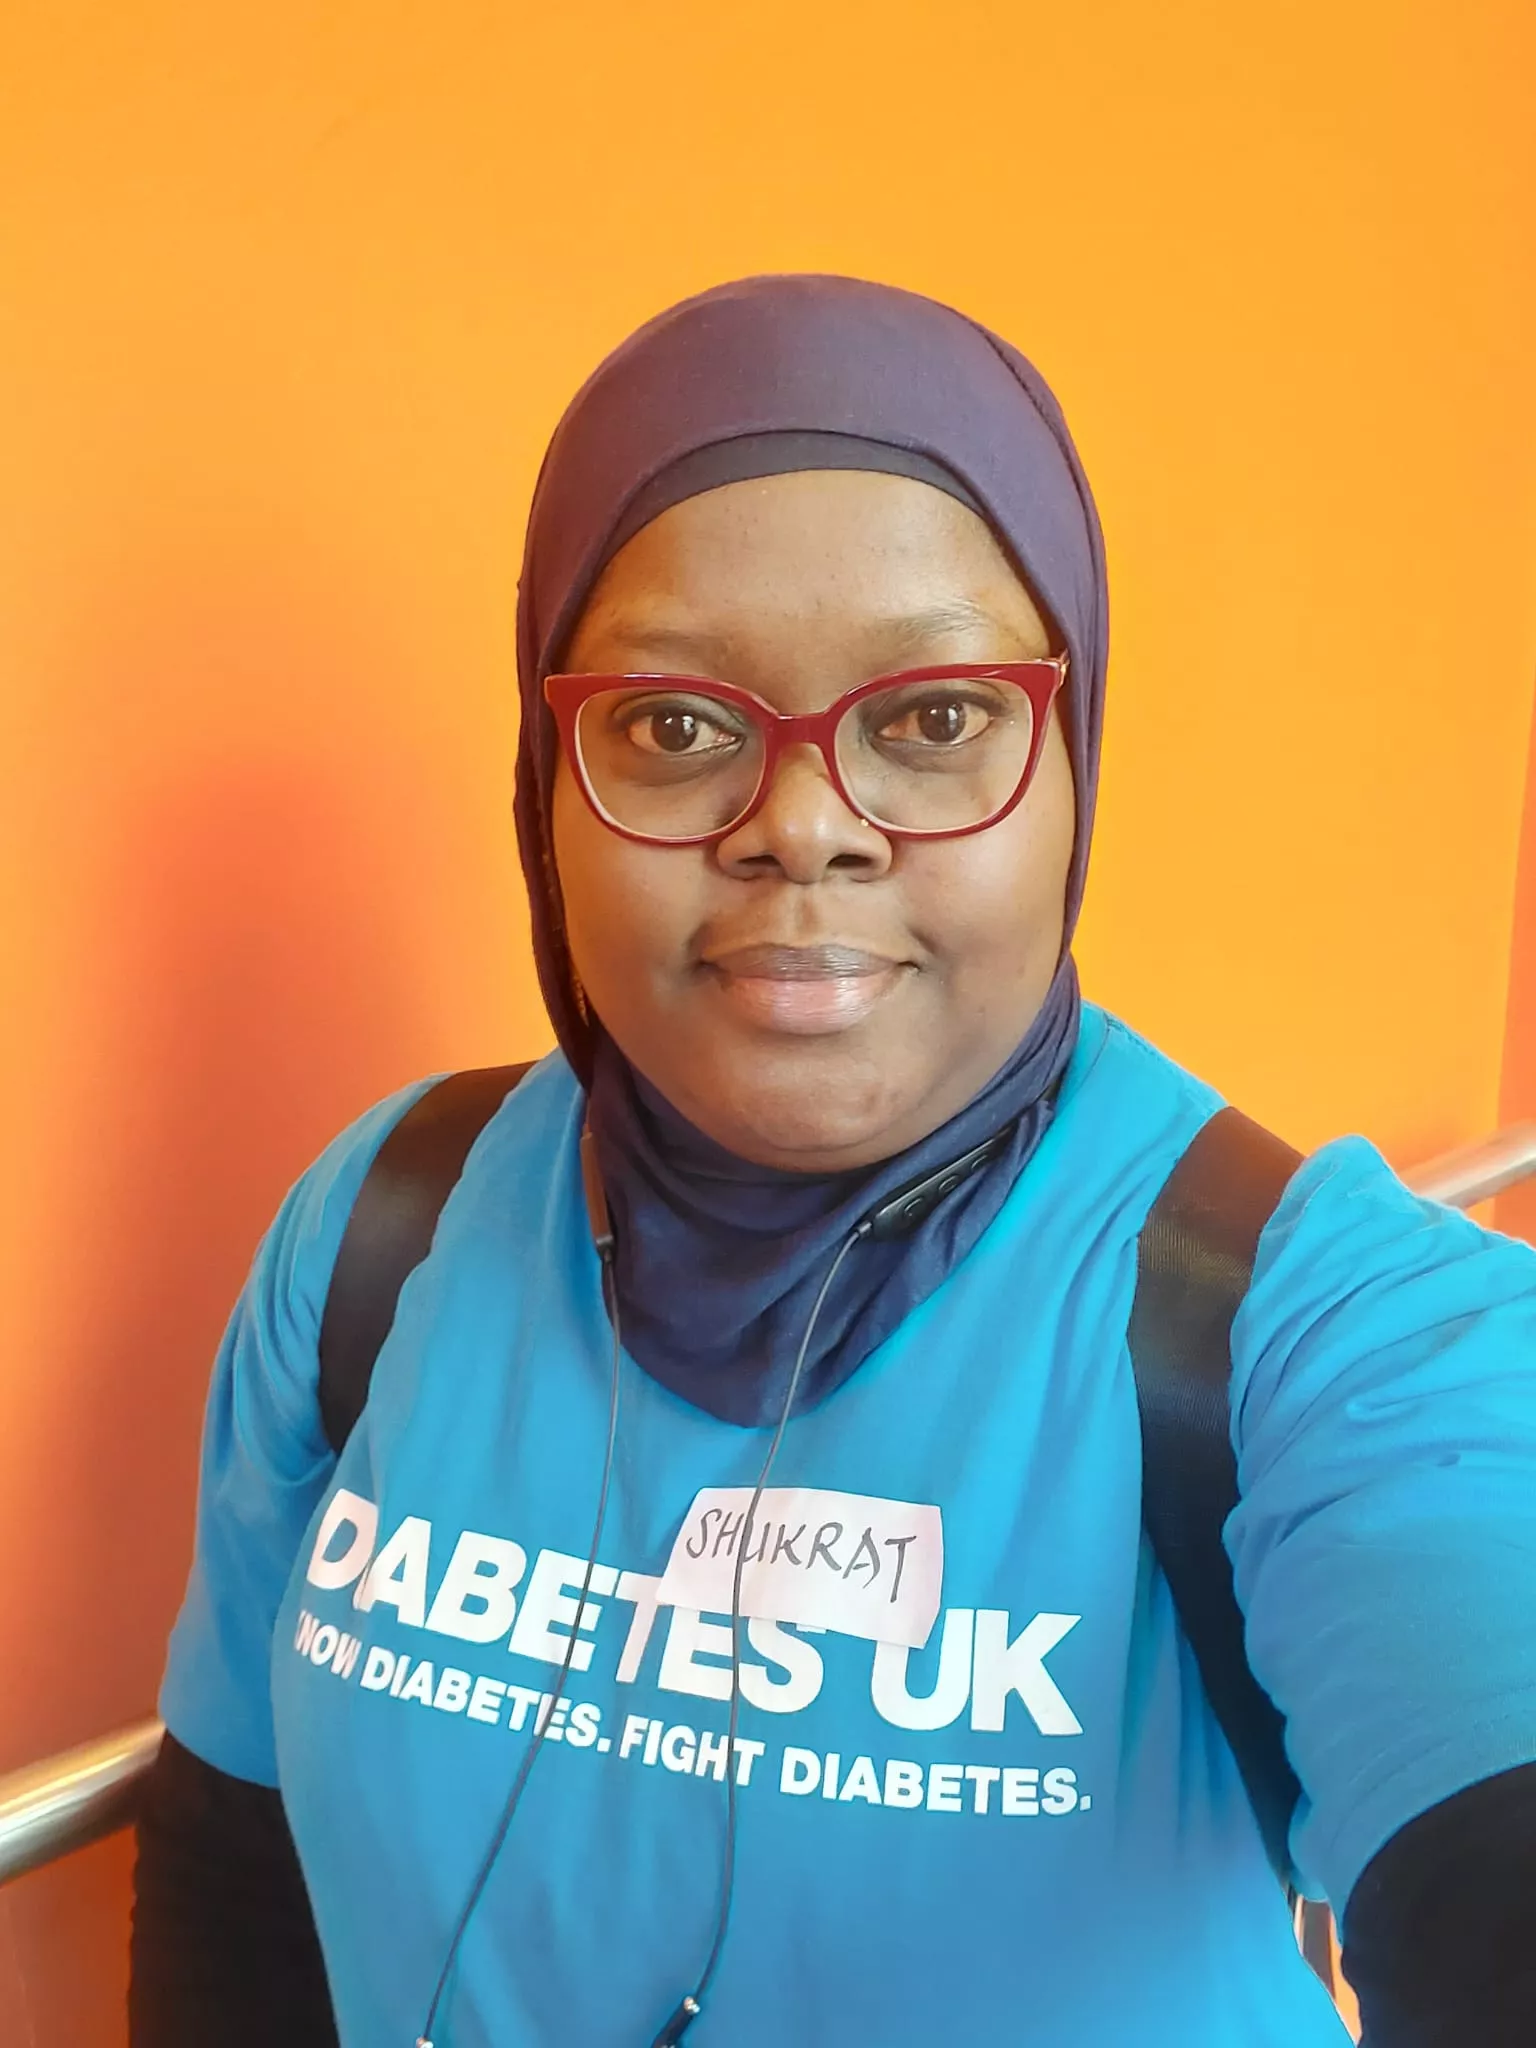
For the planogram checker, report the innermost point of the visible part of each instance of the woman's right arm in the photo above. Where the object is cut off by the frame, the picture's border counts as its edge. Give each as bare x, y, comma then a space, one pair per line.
224, 1948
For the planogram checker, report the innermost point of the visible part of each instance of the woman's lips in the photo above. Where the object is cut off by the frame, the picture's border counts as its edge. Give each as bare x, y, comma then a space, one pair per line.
804, 989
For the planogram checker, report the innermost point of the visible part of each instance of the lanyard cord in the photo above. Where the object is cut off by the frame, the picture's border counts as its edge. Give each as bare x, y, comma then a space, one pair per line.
689, 2008
498, 1838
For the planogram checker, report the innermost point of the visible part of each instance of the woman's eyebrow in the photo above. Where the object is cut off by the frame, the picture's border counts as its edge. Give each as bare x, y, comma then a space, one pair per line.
698, 650
694, 650
942, 621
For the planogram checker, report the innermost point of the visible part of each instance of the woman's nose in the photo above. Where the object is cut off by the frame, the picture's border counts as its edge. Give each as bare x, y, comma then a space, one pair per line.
804, 829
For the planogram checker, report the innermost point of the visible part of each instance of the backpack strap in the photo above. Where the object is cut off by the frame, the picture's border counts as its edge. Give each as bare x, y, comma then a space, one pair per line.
390, 1231
1194, 1262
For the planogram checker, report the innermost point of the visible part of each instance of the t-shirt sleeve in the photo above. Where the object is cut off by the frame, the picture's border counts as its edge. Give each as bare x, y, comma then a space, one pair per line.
1384, 1418
265, 1464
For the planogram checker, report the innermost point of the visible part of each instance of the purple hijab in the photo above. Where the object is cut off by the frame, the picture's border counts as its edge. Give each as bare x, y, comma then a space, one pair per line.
719, 1260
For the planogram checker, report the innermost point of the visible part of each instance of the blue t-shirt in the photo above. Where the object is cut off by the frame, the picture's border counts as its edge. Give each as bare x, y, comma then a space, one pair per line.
1030, 1828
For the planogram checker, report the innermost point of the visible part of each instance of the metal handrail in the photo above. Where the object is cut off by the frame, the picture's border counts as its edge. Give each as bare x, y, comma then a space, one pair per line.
1475, 1172
67, 1801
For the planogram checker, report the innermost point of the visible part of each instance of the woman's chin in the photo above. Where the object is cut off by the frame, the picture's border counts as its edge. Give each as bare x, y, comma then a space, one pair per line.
807, 1122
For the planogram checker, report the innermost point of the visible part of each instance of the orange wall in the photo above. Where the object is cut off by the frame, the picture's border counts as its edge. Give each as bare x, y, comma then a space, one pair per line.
1517, 1210
289, 299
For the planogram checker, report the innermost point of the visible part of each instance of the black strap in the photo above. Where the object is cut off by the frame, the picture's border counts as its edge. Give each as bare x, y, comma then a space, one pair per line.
1194, 1263
390, 1231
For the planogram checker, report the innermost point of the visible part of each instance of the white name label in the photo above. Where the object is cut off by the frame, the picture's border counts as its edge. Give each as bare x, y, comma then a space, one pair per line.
851, 1562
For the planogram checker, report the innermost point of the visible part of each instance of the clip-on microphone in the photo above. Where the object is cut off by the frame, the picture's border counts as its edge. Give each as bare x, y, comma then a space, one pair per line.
599, 1220
916, 1201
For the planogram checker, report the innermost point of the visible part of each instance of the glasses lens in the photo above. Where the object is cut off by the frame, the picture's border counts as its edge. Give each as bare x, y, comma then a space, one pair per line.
674, 763
937, 755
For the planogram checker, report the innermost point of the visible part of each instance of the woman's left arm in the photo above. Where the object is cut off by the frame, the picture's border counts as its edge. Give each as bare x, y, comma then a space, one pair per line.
1384, 1417
1438, 1932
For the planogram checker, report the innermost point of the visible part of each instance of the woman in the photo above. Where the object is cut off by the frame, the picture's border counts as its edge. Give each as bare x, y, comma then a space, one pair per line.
766, 1647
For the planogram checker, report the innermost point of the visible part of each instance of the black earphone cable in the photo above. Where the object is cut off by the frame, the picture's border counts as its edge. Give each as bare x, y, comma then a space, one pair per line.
509, 1809
689, 2008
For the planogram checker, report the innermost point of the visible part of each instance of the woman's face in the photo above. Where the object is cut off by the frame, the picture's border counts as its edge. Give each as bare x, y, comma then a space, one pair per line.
809, 993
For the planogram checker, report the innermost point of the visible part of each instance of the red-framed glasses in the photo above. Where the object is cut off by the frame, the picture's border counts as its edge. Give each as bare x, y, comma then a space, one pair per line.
931, 753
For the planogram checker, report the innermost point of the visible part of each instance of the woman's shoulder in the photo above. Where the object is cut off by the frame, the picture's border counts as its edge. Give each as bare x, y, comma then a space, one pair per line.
1352, 1245
513, 1099
1345, 1214
1120, 1063
314, 1212
1125, 1114
300, 1247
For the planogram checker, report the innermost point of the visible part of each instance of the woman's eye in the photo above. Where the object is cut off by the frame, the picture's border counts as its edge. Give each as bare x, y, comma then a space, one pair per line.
674, 729
938, 722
